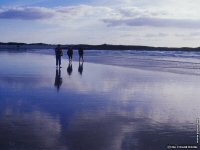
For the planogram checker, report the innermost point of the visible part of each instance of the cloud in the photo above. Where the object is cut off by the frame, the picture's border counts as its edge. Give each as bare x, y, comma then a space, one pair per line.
195, 34
151, 35
26, 13
128, 16
41, 13
154, 22
191, 34
138, 12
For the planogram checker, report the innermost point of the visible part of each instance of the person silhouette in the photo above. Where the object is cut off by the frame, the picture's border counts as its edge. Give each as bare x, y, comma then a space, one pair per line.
70, 53
80, 68
58, 53
58, 79
69, 69
80, 52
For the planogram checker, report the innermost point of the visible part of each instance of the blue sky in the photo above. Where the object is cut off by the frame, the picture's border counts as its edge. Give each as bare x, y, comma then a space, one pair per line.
130, 22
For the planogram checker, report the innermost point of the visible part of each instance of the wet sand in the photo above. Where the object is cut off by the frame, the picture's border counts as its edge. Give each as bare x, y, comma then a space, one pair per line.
98, 106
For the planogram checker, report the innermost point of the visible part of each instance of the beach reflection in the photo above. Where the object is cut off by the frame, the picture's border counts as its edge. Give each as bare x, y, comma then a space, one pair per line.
105, 108
58, 79
32, 130
69, 69
124, 131
80, 68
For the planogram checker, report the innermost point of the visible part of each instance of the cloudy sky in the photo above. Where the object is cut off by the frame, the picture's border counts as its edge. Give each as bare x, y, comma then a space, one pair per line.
173, 23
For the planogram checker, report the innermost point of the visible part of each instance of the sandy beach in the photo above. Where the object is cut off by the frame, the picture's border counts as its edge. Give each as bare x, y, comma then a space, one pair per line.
116, 102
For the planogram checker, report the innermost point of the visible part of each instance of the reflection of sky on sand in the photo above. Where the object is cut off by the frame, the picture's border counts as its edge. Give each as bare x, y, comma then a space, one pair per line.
123, 131
114, 107
164, 96
35, 130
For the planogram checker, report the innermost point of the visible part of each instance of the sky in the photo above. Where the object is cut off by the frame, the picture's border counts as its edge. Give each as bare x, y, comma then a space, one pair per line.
166, 23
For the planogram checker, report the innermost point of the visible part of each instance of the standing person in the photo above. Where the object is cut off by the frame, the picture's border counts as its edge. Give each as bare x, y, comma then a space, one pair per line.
58, 53
70, 53
80, 52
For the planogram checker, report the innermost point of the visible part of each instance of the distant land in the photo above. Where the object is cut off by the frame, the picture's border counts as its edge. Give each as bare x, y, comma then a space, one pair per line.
32, 46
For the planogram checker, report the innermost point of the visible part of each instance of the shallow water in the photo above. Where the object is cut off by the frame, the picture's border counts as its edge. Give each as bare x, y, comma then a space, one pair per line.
103, 108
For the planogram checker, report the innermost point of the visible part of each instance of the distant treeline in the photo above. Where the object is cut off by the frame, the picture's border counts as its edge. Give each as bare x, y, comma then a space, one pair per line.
11, 45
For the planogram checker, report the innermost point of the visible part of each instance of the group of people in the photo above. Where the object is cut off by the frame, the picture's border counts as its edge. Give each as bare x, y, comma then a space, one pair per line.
59, 54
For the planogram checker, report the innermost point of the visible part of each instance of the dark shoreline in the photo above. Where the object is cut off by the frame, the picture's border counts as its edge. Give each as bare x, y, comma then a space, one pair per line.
24, 46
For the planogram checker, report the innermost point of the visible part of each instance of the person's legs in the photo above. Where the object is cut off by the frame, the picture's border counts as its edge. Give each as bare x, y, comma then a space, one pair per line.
81, 58
70, 57
59, 60
56, 60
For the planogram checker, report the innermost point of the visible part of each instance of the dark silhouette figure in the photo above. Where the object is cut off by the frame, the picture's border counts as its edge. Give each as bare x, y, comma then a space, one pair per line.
80, 68
80, 52
69, 69
70, 53
58, 79
58, 53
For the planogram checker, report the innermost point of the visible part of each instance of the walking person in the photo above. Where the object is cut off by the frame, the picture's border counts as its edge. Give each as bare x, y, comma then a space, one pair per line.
80, 52
70, 53
58, 53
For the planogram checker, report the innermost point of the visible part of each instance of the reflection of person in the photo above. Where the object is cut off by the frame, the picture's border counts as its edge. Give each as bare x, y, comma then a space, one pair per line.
69, 69
70, 53
58, 79
80, 52
58, 53
80, 68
